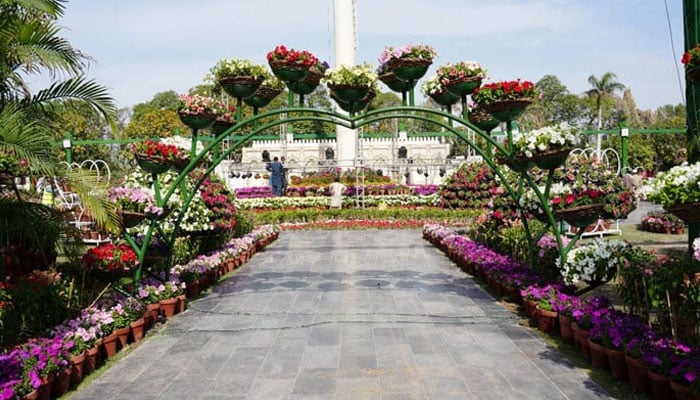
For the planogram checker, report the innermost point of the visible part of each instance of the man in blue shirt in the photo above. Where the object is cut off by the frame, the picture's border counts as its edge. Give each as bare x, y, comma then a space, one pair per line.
276, 170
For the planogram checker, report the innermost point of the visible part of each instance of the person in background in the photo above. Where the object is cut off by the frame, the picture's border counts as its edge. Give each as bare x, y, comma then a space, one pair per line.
285, 173
337, 190
276, 170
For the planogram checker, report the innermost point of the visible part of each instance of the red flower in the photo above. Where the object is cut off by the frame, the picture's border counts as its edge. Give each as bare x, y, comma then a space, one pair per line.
686, 58
570, 198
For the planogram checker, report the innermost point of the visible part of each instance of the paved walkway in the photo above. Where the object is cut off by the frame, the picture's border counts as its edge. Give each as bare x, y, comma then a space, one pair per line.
345, 315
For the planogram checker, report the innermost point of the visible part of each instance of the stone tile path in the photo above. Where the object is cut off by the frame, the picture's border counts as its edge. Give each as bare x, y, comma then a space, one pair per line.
345, 315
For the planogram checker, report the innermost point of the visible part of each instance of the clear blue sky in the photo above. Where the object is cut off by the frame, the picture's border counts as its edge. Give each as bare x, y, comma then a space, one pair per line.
142, 47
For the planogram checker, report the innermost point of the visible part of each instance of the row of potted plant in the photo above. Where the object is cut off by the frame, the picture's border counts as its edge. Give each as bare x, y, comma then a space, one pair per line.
47, 366
611, 339
323, 201
662, 222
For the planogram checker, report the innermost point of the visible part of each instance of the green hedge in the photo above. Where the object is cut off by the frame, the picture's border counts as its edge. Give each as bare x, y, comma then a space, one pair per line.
431, 214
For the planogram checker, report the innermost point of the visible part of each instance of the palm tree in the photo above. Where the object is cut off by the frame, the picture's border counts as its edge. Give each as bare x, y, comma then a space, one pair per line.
602, 89
30, 45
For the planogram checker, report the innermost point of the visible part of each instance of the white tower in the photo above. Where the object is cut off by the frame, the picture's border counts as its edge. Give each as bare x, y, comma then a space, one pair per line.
345, 48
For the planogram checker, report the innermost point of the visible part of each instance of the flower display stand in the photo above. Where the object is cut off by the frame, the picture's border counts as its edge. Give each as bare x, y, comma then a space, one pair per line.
507, 110
688, 212
581, 216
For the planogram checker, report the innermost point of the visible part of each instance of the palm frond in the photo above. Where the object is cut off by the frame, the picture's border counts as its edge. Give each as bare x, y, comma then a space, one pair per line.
78, 88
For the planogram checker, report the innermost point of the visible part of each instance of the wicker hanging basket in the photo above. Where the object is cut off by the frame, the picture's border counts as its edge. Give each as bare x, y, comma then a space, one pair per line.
688, 212
581, 216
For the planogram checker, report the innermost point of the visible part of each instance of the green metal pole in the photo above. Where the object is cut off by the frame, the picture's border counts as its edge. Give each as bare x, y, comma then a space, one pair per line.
68, 145
691, 18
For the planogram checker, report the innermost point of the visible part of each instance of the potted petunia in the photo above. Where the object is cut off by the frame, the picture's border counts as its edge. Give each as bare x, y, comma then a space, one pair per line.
678, 190
290, 65
195, 111
691, 60
353, 87
134, 204
461, 78
547, 147
433, 88
225, 117
407, 63
505, 100
593, 262
240, 78
110, 260
270, 88
156, 157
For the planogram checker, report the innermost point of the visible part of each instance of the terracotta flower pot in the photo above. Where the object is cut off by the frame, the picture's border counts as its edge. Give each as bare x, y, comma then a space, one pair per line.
660, 386
583, 340
109, 344
637, 373
181, 303
33, 395
618, 365
76, 364
167, 306
599, 358
151, 315
122, 336
682, 391
546, 320
565, 330
136, 328
61, 383
91, 360
44, 391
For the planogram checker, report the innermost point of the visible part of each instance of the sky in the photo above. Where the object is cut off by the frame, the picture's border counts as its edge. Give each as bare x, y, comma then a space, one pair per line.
142, 47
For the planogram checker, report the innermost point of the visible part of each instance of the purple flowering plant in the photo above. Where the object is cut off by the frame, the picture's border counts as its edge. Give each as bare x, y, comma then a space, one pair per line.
583, 314
11, 378
663, 354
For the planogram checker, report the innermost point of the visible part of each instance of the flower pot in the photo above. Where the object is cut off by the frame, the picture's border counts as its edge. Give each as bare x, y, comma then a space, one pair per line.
399, 85
153, 165
408, 69
44, 390
262, 97
506, 110
682, 391
599, 358
308, 83
109, 344
583, 341
546, 320
122, 336
289, 72
581, 216
76, 364
90, 360
685, 211
660, 386
181, 303
61, 383
197, 121
192, 289
463, 87
167, 307
136, 328
565, 329
637, 373
618, 365
152, 312
33, 395
240, 86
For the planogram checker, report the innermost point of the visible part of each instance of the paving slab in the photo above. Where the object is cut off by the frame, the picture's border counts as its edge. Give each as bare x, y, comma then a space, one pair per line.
376, 314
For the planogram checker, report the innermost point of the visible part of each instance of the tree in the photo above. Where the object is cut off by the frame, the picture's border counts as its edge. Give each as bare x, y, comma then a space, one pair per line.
602, 90
30, 45
161, 101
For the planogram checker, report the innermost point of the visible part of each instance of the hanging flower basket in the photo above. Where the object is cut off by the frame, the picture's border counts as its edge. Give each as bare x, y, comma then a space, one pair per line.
394, 83
197, 121
547, 160
262, 97
131, 219
408, 69
349, 93
483, 120
308, 84
240, 86
581, 216
151, 164
444, 98
507, 110
515, 164
464, 86
688, 212
354, 106
220, 126
692, 75
289, 72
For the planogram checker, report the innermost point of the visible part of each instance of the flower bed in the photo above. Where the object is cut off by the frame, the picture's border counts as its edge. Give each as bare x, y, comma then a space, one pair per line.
662, 222
594, 316
25, 367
